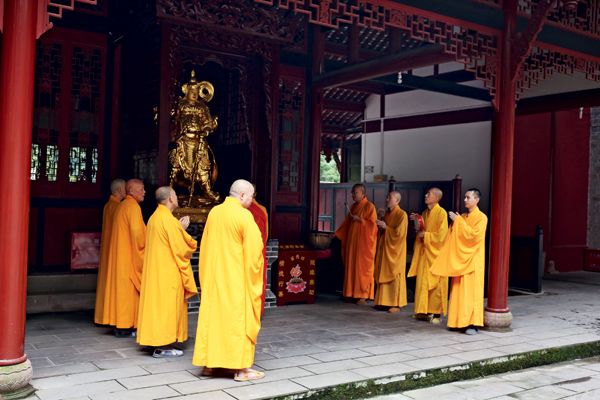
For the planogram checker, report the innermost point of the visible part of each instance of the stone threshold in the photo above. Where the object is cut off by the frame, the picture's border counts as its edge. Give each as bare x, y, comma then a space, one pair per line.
368, 388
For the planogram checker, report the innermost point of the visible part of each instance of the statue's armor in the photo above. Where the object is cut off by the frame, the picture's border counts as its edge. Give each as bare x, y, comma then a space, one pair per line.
192, 155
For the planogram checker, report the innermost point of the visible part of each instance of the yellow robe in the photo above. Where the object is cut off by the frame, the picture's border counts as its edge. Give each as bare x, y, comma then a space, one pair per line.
107, 222
231, 283
463, 258
167, 281
431, 292
125, 262
359, 242
390, 260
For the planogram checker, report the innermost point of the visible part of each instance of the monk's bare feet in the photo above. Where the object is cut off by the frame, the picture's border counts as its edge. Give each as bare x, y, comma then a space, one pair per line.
361, 302
207, 371
393, 310
248, 374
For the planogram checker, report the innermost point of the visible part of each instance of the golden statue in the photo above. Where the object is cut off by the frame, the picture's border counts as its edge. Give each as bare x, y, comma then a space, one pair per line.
192, 157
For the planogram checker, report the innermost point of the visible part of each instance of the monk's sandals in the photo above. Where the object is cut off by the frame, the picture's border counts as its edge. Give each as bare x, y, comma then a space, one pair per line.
166, 353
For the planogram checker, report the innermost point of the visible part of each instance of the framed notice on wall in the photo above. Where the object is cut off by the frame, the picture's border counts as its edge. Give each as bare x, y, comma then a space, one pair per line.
85, 250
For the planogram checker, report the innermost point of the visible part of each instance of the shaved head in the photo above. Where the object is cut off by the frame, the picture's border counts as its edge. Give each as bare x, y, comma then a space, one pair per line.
243, 191
135, 188
116, 186
133, 183
437, 192
163, 193
396, 196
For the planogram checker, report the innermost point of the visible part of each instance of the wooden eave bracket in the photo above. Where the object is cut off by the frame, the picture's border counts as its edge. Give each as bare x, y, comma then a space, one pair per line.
523, 42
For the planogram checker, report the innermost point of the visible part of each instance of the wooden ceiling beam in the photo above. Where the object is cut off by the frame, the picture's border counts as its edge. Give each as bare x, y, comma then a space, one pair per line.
437, 85
341, 105
414, 58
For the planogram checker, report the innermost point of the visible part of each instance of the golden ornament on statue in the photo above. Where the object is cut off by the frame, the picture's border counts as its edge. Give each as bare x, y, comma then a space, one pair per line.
192, 161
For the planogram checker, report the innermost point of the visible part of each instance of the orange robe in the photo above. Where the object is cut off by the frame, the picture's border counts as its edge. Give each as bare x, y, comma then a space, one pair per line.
261, 217
390, 260
231, 282
463, 258
125, 262
431, 292
167, 281
359, 241
107, 222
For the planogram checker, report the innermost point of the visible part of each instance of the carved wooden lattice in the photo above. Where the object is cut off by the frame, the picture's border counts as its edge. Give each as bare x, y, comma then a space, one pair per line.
542, 64
290, 132
183, 38
472, 48
54, 9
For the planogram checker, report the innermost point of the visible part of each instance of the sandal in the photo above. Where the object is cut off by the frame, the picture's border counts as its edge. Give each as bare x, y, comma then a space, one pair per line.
207, 372
248, 375
166, 353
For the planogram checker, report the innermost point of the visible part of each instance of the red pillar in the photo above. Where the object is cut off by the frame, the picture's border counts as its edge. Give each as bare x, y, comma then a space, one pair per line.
16, 111
503, 144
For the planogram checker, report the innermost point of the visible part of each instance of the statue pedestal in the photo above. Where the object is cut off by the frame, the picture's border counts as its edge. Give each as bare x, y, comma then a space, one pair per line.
197, 209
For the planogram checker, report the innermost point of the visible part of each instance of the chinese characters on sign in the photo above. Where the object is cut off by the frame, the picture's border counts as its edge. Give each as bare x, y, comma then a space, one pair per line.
296, 275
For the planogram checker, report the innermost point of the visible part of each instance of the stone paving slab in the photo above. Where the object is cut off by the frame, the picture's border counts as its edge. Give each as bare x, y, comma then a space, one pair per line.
541, 383
308, 347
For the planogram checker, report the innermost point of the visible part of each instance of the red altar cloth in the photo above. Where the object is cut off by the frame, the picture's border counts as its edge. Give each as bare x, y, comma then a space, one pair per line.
296, 273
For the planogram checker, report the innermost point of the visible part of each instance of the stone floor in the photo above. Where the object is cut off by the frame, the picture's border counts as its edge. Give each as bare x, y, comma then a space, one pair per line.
579, 380
307, 347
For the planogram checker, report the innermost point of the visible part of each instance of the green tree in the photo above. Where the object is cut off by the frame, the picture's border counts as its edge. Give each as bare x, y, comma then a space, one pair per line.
329, 171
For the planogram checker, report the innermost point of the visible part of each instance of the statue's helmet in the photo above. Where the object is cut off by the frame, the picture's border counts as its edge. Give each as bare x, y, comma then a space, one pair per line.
205, 89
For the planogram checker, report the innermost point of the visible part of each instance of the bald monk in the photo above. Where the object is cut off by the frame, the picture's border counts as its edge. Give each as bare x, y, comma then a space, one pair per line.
125, 262
463, 258
358, 234
117, 193
390, 260
231, 282
167, 278
431, 292
261, 217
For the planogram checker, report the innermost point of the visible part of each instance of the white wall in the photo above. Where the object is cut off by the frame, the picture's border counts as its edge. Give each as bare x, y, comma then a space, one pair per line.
435, 153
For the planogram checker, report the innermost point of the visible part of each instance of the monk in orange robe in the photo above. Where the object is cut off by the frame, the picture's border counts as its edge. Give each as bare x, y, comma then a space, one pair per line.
463, 259
117, 193
125, 261
261, 217
167, 278
431, 292
231, 282
390, 260
358, 234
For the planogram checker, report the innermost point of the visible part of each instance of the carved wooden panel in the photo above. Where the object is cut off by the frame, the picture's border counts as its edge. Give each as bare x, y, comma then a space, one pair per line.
290, 136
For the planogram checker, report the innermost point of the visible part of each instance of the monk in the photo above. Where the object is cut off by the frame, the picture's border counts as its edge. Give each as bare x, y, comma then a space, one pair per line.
358, 234
167, 278
125, 262
431, 292
117, 193
463, 258
390, 259
231, 282
261, 217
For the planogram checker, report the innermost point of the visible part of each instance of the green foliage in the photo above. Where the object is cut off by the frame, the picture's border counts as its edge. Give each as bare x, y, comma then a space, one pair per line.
434, 377
329, 172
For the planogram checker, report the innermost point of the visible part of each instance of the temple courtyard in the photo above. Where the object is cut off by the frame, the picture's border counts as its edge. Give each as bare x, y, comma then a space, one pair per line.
307, 348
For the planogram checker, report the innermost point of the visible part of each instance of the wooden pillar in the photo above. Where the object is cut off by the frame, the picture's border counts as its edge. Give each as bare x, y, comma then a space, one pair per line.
457, 191
497, 312
316, 111
165, 106
16, 109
